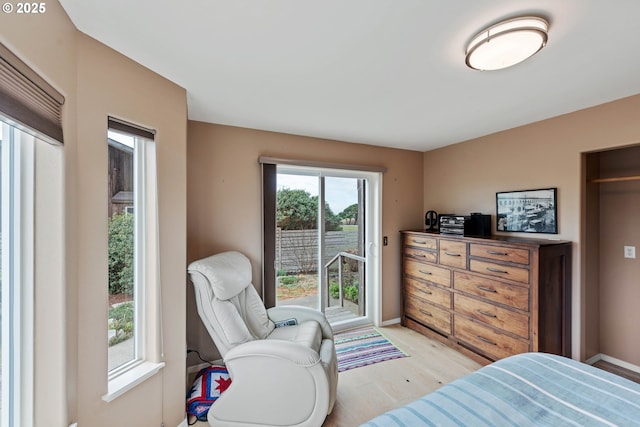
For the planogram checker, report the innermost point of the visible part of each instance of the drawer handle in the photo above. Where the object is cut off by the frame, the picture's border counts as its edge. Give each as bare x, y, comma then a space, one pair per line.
484, 313
482, 288
451, 254
426, 313
428, 273
420, 242
424, 291
497, 253
481, 338
495, 270
418, 255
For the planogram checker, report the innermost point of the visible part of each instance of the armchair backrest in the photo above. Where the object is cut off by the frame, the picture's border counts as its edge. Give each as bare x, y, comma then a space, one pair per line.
227, 301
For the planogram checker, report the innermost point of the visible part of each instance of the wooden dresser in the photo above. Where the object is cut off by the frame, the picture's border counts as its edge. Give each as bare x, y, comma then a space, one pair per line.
489, 297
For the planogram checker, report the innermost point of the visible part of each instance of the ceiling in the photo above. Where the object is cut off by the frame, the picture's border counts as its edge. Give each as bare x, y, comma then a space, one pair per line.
378, 72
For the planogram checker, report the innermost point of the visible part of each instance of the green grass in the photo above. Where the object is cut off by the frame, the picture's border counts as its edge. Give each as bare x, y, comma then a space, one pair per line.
353, 227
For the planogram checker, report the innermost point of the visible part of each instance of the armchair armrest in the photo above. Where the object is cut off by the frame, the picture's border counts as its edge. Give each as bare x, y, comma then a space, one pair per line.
301, 314
275, 349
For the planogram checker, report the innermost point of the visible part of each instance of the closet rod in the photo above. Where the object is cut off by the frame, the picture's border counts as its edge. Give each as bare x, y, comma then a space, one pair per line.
616, 179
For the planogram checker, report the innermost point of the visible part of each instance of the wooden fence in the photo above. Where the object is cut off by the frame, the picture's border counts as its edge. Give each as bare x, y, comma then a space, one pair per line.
297, 250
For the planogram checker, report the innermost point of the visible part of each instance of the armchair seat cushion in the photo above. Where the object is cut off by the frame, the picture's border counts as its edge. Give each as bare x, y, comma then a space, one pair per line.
307, 334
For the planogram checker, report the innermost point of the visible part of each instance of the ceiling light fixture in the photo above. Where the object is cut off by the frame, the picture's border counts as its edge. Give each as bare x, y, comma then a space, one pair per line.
507, 43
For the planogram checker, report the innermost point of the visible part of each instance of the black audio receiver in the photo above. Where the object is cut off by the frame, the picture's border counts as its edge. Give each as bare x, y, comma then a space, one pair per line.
475, 224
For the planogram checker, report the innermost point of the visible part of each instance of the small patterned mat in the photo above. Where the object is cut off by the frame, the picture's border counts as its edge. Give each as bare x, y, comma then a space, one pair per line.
362, 347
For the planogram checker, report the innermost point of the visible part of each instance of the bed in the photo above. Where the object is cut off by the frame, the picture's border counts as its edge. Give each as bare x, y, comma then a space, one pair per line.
530, 389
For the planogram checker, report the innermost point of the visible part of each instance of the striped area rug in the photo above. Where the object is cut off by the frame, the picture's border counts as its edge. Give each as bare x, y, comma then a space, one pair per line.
362, 347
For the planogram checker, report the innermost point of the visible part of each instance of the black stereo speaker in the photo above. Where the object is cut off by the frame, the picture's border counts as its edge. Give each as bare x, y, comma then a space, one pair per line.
477, 224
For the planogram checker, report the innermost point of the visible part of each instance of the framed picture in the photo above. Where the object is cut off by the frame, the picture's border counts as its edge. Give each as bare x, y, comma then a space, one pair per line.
528, 211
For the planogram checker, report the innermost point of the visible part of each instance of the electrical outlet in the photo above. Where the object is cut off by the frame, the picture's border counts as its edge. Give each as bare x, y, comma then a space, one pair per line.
630, 252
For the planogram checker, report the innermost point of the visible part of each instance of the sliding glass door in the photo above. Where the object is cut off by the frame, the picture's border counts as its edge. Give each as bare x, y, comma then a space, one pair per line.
323, 233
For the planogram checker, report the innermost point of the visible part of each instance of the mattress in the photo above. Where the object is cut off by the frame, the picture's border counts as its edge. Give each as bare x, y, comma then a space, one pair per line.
530, 389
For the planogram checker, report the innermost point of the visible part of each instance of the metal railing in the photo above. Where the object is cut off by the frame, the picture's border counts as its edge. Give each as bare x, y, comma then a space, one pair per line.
339, 257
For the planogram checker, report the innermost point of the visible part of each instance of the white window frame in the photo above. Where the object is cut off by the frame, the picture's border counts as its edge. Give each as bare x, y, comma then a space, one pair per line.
18, 154
373, 236
147, 333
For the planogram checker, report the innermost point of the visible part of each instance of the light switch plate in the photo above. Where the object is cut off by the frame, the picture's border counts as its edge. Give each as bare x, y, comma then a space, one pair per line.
630, 252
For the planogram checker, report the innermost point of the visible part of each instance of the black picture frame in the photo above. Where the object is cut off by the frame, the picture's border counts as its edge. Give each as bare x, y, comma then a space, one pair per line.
527, 211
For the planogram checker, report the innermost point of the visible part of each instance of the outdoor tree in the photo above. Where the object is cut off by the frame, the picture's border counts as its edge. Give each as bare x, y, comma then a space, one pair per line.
298, 210
350, 214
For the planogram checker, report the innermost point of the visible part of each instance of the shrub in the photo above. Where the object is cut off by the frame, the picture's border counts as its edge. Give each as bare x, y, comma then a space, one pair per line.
288, 280
334, 290
121, 254
121, 320
351, 293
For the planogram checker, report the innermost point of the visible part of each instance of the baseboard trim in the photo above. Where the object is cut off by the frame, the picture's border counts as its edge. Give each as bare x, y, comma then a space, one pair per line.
613, 360
593, 359
184, 423
391, 322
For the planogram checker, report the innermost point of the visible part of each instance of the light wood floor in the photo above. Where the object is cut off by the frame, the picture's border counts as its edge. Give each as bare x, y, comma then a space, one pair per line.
366, 392
615, 369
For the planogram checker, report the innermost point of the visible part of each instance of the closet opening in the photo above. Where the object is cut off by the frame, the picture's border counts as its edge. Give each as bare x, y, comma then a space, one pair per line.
611, 259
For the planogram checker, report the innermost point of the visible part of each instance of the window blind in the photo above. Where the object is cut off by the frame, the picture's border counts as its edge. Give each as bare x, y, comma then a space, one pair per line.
27, 99
131, 129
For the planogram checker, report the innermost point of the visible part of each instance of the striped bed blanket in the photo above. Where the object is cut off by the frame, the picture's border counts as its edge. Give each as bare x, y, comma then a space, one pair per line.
530, 389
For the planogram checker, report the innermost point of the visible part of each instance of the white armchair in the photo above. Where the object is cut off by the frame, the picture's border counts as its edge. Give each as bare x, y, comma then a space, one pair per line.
285, 376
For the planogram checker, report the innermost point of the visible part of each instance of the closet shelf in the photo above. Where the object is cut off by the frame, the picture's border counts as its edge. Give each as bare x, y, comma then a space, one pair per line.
616, 179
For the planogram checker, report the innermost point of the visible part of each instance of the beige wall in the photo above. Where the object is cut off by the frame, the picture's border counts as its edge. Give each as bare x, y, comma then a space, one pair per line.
224, 199
71, 277
465, 177
47, 44
111, 85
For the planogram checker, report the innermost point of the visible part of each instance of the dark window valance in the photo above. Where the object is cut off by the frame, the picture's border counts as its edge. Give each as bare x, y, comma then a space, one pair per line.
27, 99
131, 129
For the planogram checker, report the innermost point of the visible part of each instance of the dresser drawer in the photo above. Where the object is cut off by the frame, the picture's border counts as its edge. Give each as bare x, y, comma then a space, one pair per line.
428, 314
453, 254
506, 272
431, 273
421, 254
494, 344
503, 293
420, 241
428, 292
510, 321
501, 253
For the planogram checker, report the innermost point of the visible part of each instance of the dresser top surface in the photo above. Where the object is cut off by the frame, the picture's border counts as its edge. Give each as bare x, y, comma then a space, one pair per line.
494, 238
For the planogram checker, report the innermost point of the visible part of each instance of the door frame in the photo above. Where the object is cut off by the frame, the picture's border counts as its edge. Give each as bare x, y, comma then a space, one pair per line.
373, 229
